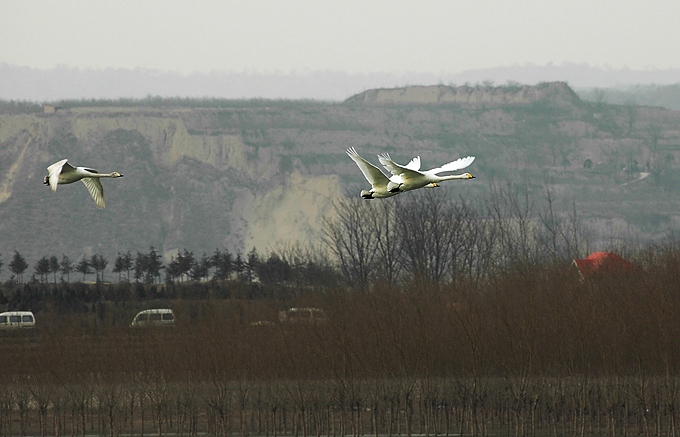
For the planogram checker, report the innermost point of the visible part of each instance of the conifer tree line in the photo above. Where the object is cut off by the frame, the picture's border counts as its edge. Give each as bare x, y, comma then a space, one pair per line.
148, 268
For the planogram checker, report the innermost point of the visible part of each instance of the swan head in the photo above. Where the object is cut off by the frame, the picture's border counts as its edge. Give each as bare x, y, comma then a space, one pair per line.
115, 174
46, 180
468, 175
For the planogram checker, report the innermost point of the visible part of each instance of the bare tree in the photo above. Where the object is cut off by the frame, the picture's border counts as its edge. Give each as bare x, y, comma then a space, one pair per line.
562, 235
428, 228
479, 259
351, 239
513, 210
385, 228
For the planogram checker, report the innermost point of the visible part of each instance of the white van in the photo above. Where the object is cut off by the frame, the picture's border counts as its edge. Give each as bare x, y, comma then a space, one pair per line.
17, 319
154, 317
303, 315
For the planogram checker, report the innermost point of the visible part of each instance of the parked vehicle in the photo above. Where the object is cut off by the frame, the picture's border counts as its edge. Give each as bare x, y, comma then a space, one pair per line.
154, 317
303, 315
17, 320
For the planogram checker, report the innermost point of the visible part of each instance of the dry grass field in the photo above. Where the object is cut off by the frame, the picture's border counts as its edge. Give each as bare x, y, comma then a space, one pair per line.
530, 352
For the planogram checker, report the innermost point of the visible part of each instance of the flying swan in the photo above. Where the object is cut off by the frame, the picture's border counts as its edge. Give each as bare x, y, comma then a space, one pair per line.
407, 179
376, 177
64, 173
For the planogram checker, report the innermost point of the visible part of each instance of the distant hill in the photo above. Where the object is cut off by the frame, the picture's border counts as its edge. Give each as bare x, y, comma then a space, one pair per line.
556, 94
22, 83
201, 174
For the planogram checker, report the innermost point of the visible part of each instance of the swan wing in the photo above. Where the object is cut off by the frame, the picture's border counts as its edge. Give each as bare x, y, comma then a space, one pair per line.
372, 174
414, 164
54, 170
453, 166
94, 186
396, 169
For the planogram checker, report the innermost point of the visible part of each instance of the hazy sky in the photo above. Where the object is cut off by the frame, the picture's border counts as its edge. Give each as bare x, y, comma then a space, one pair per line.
353, 36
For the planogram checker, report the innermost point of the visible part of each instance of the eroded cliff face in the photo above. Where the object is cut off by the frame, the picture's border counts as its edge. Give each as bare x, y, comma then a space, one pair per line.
180, 189
290, 212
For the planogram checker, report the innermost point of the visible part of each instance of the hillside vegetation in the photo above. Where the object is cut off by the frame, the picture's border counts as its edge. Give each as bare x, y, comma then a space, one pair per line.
206, 174
666, 96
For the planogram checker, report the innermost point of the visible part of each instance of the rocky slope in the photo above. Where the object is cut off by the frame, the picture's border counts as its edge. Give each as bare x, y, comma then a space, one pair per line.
259, 174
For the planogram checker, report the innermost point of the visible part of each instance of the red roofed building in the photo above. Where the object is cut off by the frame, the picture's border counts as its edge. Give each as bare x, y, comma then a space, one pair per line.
604, 262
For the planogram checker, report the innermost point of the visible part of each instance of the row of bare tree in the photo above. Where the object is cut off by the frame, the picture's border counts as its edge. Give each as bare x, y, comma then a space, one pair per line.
432, 239
518, 406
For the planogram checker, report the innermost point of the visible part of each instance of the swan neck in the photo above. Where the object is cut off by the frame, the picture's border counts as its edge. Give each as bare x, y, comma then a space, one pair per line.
454, 176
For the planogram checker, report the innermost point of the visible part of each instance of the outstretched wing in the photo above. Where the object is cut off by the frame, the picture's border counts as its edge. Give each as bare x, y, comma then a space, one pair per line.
414, 164
372, 174
54, 170
396, 169
94, 186
453, 166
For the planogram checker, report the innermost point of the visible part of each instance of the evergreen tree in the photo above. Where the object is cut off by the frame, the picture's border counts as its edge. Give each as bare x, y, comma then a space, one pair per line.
42, 268
172, 270
99, 263
154, 265
251, 265
141, 266
54, 267
66, 267
186, 262
239, 266
84, 267
182, 266
273, 271
122, 264
127, 264
223, 263
18, 266
148, 266
201, 268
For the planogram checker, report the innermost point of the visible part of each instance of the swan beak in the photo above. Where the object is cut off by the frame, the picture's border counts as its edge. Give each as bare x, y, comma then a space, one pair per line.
435, 185
470, 176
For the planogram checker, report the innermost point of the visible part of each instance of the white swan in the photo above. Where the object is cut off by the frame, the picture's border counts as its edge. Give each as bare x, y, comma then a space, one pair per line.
64, 173
377, 178
406, 179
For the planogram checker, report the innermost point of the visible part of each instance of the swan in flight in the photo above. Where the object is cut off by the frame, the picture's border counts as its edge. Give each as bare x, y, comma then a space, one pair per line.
377, 178
406, 179
64, 173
